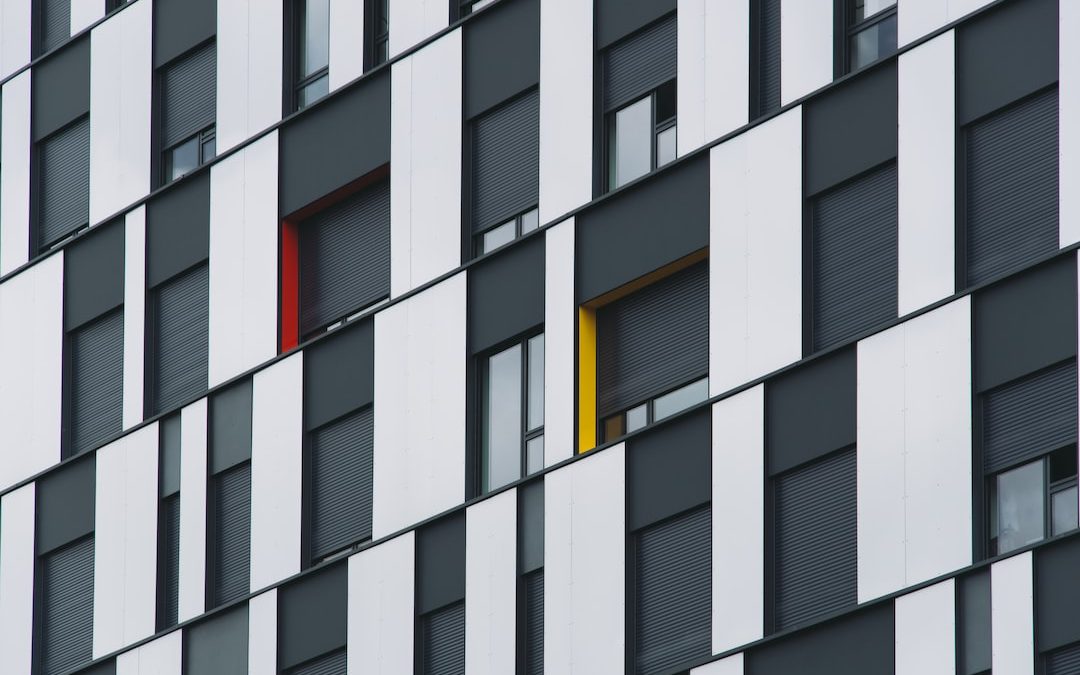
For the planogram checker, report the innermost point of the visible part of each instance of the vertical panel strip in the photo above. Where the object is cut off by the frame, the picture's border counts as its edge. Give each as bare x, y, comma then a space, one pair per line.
134, 315
381, 609
1068, 124
926, 630
193, 459
560, 317
17, 580
15, 168
1012, 615
491, 585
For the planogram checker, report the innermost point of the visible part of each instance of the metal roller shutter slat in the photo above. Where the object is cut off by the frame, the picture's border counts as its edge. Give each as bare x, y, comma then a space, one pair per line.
769, 62
65, 182
534, 623
68, 607
341, 470
182, 329
506, 161
335, 663
190, 94
640, 63
1029, 417
444, 641
232, 533
171, 609
56, 23
1064, 661
97, 363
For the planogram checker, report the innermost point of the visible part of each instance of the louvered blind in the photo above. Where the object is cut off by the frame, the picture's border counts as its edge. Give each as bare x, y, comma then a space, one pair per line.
170, 567
506, 161
64, 203
345, 258
653, 340
1064, 661
1012, 187
444, 641
769, 56
97, 381
335, 663
640, 63
181, 329
67, 607
815, 539
232, 533
673, 592
55, 23
855, 257
189, 88
534, 622
1029, 417
341, 475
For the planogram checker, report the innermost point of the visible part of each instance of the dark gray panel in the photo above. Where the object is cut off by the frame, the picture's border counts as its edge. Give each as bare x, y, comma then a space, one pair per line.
973, 632
94, 275
170, 455
313, 613
616, 19
669, 470
169, 609
345, 258
851, 128
65, 504
505, 162
67, 607
502, 54
55, 23
178, 228
230, 426
97, 383
534, 623
327, 148
854, 263
640, 63
61, 88
64, 183
1057, 595
218, 646
531, 526
231, 537
1011, 187
1025, 323
653, 340
443, 641
1005, 55
329, 664
506, 295
339, 374
1065, 661
440, 563
768, 56
104, 668
1029, 417
816, 540
179, 25
859, 644
341, 483
189, 94
673, 593
181, 329
639, 231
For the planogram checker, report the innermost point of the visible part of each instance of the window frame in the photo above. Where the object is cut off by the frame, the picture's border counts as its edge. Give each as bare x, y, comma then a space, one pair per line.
202, 138
657, 127
849, 28
650, 410
297, 82
1049, 488
377, 41
518, 221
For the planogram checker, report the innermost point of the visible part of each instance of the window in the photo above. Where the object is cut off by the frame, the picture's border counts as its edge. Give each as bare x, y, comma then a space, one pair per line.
97, 401
341, 456
312, 51
229, 494
188, 111
871, 31
67, 607
469, 6
54, 23
181, 329
115, 4
378, 15
169, 524
533, 623
442, 635
1034, 501
767, 56
512, 417
63, 202
1063, 660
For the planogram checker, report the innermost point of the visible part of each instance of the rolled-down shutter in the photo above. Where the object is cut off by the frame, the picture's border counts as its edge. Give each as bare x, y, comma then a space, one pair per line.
640, 63
64, 204
68, 607
341, 482
673, 592
1012, 187
55, 23
335, 663
345, 258
1064, 661
97, 381
444, 641
534, 622
855, 257
170, 568
816, 564
1029, 417
189, 87
653, 340
506, 161
182, 330
232, 533
769, 56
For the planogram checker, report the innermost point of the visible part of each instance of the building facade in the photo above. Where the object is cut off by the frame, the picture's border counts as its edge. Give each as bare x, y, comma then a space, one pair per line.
510, 337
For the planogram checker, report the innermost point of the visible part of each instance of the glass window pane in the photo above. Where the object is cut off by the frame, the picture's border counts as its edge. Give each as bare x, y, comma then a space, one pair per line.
182, 158
637, 418
494, 238
873, 43
665, 146
1063, 510
502, 419
536, 382
530, 220
614, 427
314, 37
209, 149
667, 101
534, 454
1020, 506
867, 8
314, 91
680, 399
631, 147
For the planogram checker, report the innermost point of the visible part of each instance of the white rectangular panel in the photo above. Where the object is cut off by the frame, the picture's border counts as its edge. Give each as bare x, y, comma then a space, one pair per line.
714, 59
17, 578
806, 47
15, 173
755, 279
193, 457
1012, 630
413, 21
927, 172
738, 486
1068, 121
31, 355
277, 469
916, 18
346, 41
249, 60
243, 260
732, 665
85, 12
15, 32
262, 634
926, 631
425, 164
134, 314
125, 540
566, 100
585, 565
163, 656
381, 610
420, 360
491, 585
560, 320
